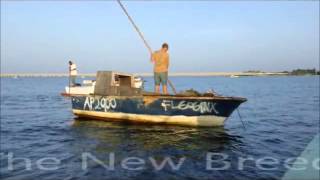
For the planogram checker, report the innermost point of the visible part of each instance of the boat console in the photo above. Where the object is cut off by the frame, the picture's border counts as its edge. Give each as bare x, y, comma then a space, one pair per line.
109, 83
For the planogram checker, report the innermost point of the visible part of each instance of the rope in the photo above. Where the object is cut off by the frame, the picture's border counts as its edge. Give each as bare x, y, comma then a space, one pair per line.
241, 119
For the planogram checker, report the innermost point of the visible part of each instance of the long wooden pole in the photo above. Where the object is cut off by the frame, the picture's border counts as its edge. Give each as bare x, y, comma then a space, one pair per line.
142, 37
135, 27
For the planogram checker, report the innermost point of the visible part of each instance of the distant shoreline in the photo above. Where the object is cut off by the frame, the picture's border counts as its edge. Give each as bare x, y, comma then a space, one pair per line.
174, 74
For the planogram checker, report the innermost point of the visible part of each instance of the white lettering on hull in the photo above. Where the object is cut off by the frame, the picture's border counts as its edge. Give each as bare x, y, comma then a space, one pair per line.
202, 107
102, 103
108, 103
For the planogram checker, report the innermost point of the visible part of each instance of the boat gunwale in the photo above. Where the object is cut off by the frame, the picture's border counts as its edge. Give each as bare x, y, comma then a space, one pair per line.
171, 96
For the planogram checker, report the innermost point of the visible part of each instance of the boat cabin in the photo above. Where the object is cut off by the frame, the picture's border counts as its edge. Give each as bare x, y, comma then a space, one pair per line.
109, 83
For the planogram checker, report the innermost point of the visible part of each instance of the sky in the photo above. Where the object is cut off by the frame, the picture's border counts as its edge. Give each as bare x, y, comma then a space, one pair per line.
203, 36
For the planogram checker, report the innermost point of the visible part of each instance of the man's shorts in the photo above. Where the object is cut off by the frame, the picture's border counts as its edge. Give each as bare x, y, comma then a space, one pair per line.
160, 77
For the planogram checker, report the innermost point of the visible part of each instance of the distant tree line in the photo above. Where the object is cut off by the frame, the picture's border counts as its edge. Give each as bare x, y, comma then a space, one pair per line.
304, 72
295, 72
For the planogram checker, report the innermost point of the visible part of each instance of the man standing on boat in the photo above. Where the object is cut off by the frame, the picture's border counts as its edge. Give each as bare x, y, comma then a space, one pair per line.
73, 72
160, 60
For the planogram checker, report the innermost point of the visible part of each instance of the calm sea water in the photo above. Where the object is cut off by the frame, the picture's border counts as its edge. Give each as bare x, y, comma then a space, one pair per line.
281, 117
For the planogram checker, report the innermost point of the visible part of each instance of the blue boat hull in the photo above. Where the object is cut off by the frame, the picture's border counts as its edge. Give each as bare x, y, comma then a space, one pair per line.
193, 111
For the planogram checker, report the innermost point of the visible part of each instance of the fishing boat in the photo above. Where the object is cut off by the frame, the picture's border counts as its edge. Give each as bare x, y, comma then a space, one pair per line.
115, 97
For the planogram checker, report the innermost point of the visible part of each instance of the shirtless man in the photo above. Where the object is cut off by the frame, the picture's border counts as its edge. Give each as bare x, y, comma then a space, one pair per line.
160, 60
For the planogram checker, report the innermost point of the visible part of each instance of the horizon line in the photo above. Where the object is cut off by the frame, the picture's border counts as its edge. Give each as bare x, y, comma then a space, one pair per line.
247, 73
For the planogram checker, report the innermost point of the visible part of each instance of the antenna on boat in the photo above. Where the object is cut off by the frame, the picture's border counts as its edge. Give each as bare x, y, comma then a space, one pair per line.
69, 81
142, 37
